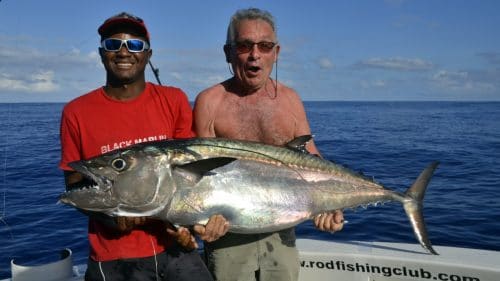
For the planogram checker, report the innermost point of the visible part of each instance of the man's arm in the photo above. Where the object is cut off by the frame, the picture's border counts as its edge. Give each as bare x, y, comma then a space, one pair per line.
327, 221
204, 126
203, 115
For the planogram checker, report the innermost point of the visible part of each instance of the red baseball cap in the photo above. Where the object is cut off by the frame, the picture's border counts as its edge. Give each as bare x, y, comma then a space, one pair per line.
123, 19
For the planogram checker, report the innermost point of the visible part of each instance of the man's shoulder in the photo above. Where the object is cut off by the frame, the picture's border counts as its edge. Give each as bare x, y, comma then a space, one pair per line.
166, 92
213, 91
287, 90
290, 97
164, 89
211, 94
84, 99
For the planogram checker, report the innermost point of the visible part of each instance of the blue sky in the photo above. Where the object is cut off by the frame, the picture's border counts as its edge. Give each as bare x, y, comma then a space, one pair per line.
331, 50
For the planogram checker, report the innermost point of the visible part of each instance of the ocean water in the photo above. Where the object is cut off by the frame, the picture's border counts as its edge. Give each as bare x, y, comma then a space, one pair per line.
389, 141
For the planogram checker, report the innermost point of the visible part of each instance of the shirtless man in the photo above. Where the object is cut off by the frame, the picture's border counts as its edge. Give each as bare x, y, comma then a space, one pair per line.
252, 106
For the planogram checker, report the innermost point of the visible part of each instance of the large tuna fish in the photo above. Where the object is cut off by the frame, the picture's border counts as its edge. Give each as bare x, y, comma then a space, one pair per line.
257, 187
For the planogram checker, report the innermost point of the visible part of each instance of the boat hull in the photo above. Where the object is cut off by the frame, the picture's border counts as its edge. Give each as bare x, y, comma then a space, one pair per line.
377, 261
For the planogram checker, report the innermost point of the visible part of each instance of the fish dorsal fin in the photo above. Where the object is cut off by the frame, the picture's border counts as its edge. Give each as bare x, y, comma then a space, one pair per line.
299, 143
201, 167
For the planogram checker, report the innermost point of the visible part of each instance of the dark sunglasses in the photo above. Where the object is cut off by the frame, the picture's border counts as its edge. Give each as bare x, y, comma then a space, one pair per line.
133, 45
247, 46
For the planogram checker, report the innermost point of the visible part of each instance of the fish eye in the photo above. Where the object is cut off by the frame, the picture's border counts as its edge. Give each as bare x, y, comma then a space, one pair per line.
119, 164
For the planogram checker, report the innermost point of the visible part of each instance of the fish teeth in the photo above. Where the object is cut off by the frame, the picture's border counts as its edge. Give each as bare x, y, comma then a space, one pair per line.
88, 187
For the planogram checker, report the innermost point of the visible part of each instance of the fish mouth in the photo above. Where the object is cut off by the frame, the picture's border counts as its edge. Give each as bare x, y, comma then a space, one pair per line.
95, 187
98, 182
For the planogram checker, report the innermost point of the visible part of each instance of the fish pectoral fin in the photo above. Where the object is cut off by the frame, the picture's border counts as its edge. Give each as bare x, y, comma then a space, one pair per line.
201, 167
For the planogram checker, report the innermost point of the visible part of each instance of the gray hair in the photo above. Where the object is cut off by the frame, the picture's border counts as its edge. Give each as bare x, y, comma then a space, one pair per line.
248, 14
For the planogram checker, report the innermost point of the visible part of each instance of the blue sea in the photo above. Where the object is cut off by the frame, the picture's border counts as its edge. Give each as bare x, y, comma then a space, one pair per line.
389, 141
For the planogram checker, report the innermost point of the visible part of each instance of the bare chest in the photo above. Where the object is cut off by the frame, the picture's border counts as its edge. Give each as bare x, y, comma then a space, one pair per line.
269, 121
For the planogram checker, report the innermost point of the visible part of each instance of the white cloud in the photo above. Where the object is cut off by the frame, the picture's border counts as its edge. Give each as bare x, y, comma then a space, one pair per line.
448, 79
43, 82
463, 81
379, 83
208, 80
176, 75
396, 63
325, 63
29, 70
7, 83
24, 57
373, 84
39, 82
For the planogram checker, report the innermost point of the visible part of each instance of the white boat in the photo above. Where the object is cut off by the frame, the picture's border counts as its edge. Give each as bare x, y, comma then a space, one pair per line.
380, 261
339, 261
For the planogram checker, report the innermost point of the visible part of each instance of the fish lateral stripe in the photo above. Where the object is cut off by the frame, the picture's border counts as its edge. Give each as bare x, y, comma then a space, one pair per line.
265, 153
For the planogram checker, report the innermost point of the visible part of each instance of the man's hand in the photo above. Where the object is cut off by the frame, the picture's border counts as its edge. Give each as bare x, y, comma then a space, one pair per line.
126, 224
216, 227
329, 221
183, 237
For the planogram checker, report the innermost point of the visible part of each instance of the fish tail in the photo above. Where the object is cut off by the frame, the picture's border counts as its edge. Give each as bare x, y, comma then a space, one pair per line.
413, 206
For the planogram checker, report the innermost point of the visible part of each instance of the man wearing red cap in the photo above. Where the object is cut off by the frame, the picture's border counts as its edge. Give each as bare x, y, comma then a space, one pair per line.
125, 111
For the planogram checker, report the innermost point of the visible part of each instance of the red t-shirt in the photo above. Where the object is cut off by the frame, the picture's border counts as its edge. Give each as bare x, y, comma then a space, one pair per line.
94, 124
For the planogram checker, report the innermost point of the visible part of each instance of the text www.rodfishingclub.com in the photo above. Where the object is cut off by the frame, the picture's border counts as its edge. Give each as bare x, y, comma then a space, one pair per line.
386, 271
